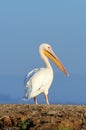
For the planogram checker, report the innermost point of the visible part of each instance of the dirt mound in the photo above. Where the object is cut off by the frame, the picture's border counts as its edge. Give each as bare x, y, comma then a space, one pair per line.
42, 117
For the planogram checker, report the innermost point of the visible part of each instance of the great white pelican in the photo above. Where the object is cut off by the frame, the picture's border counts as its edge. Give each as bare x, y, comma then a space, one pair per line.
39, 81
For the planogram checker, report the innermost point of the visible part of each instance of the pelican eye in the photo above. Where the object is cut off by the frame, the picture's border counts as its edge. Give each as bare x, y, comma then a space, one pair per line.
49, 48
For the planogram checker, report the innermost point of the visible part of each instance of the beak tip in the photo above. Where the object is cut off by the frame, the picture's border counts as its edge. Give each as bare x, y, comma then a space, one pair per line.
67, 74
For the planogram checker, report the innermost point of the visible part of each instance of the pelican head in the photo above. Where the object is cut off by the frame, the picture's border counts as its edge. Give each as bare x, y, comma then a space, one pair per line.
47, 50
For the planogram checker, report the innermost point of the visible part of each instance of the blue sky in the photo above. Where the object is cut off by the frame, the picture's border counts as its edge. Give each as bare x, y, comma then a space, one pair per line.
24, 25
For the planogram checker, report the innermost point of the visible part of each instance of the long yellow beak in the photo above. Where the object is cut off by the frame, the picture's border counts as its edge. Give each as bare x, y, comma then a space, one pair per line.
51, 55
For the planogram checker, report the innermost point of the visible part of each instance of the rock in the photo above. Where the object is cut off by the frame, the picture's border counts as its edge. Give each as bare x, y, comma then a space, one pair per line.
7, 122
51, 112
47, 126
65, 123
47, 119
36, 121
77, 124
85, 114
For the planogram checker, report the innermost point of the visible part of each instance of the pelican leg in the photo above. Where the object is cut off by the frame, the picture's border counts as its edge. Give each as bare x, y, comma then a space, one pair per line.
46, 98
35, 100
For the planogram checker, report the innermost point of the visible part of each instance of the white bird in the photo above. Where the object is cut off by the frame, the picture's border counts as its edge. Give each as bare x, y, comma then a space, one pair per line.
39, 80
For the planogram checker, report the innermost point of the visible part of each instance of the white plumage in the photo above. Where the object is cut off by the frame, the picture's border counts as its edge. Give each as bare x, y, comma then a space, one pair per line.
39, 81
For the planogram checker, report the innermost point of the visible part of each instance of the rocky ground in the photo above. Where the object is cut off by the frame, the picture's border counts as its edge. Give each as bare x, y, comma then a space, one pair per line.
42, 117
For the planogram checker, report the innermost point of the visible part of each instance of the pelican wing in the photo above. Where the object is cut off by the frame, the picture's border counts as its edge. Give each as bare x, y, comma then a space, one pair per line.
29, 75
28, 88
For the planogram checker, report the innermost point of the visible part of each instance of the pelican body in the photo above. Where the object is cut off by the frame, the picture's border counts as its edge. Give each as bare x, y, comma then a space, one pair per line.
39, 81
